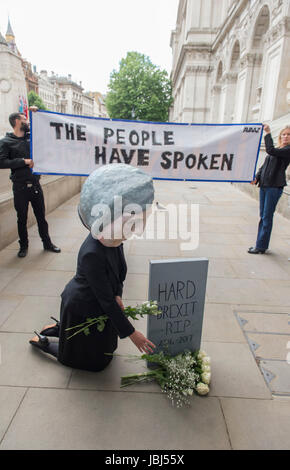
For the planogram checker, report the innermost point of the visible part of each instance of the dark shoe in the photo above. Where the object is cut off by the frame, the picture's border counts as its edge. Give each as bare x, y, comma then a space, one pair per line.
256, 251
52, 248
42, 344
22, 252
52, 331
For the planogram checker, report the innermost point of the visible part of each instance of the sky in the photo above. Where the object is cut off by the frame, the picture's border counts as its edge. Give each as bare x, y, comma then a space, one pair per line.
88, 38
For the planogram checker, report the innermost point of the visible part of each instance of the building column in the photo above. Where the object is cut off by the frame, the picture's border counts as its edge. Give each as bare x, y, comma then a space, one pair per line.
195, 106
229, 90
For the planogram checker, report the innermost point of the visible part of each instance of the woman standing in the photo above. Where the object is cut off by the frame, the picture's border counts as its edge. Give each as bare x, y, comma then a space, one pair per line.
271, 179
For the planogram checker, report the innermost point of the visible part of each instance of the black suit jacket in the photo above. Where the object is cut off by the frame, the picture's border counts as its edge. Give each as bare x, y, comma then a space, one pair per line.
100, 274
272, 173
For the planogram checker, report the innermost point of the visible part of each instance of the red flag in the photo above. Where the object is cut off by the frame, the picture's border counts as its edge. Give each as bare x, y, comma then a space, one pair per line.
25, 107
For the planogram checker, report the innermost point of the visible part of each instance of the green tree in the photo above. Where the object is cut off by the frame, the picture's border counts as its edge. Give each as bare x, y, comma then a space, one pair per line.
139, 90
35, 100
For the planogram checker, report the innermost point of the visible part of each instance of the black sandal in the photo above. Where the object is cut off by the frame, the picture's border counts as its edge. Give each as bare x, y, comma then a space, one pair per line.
42, 344
52, 331
255, 251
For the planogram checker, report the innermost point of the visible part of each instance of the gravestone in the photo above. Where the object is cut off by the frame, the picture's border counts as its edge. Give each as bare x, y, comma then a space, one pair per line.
179, 287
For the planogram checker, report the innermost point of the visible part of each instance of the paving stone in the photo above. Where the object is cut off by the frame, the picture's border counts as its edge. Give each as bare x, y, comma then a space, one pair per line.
8, 304
24, 366
219, 324
234, 371
136, 285
223, 220
219, 238
139, 264
32, 313
63, 262
220, 268
58, 227
269, 346
257, 424
6, 275
109, 420
214, 251
263, 322
267, 268
10, 399
279, 289
238, 290
110, 378
218, 228
277, 375
34, 259
40, 283
158, 248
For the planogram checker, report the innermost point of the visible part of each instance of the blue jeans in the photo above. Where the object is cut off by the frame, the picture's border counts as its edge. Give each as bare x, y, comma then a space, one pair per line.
269, 198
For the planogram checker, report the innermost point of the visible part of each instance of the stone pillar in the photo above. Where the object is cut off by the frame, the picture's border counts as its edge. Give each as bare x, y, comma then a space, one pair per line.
196, 94
278, 63
230, 80
248, 82
12, 86
215, 104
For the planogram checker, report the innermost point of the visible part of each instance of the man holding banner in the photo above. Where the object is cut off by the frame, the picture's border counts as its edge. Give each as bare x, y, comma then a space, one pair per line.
15, 154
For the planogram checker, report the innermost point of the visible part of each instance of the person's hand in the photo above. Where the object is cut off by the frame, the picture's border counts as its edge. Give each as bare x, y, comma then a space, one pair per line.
29, 162
141, 342
120, 302
34, 109
267, 129
254, 181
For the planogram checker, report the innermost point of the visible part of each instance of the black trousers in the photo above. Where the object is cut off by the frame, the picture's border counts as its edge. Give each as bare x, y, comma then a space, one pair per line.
23, 194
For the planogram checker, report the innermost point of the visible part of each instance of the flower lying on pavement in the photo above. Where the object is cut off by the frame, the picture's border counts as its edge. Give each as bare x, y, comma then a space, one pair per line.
178, 376
202, 389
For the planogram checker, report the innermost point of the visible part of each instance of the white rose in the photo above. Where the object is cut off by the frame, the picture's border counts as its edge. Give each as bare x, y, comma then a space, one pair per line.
206, 368
202, 389
201, 354
206, 376
206, 360
189, 392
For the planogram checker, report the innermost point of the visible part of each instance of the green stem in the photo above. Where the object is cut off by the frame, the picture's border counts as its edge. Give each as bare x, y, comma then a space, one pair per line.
77, 326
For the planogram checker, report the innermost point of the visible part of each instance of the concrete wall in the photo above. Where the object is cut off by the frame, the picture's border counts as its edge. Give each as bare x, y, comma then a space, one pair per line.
56, 189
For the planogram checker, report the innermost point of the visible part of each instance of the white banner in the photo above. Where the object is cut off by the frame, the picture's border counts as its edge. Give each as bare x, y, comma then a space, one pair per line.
75, 145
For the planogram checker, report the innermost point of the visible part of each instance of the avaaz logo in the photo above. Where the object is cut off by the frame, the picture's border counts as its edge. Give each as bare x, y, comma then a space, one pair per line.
252, 129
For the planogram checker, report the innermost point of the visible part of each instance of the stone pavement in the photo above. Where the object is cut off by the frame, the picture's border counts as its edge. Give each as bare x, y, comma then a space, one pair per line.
45, 405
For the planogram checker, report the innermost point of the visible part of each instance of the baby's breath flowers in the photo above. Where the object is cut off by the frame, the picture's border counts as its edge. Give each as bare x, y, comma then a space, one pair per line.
149, 307
178, 376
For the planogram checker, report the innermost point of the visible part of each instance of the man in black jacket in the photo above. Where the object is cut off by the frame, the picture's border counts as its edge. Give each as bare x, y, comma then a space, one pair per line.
15, 154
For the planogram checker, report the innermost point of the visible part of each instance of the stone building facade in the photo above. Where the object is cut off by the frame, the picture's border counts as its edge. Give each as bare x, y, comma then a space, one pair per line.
12, 84
231, 61
100, 109
64, 95
231, 65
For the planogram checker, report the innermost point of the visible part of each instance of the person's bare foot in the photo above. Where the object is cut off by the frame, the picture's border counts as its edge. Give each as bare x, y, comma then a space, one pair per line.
35, 338
49, 326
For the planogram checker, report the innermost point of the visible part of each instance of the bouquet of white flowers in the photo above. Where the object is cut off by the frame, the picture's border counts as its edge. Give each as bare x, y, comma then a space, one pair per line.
178, 376
146, 308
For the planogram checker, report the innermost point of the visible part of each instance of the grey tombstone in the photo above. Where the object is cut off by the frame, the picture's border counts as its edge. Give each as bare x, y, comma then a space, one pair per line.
179, 287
